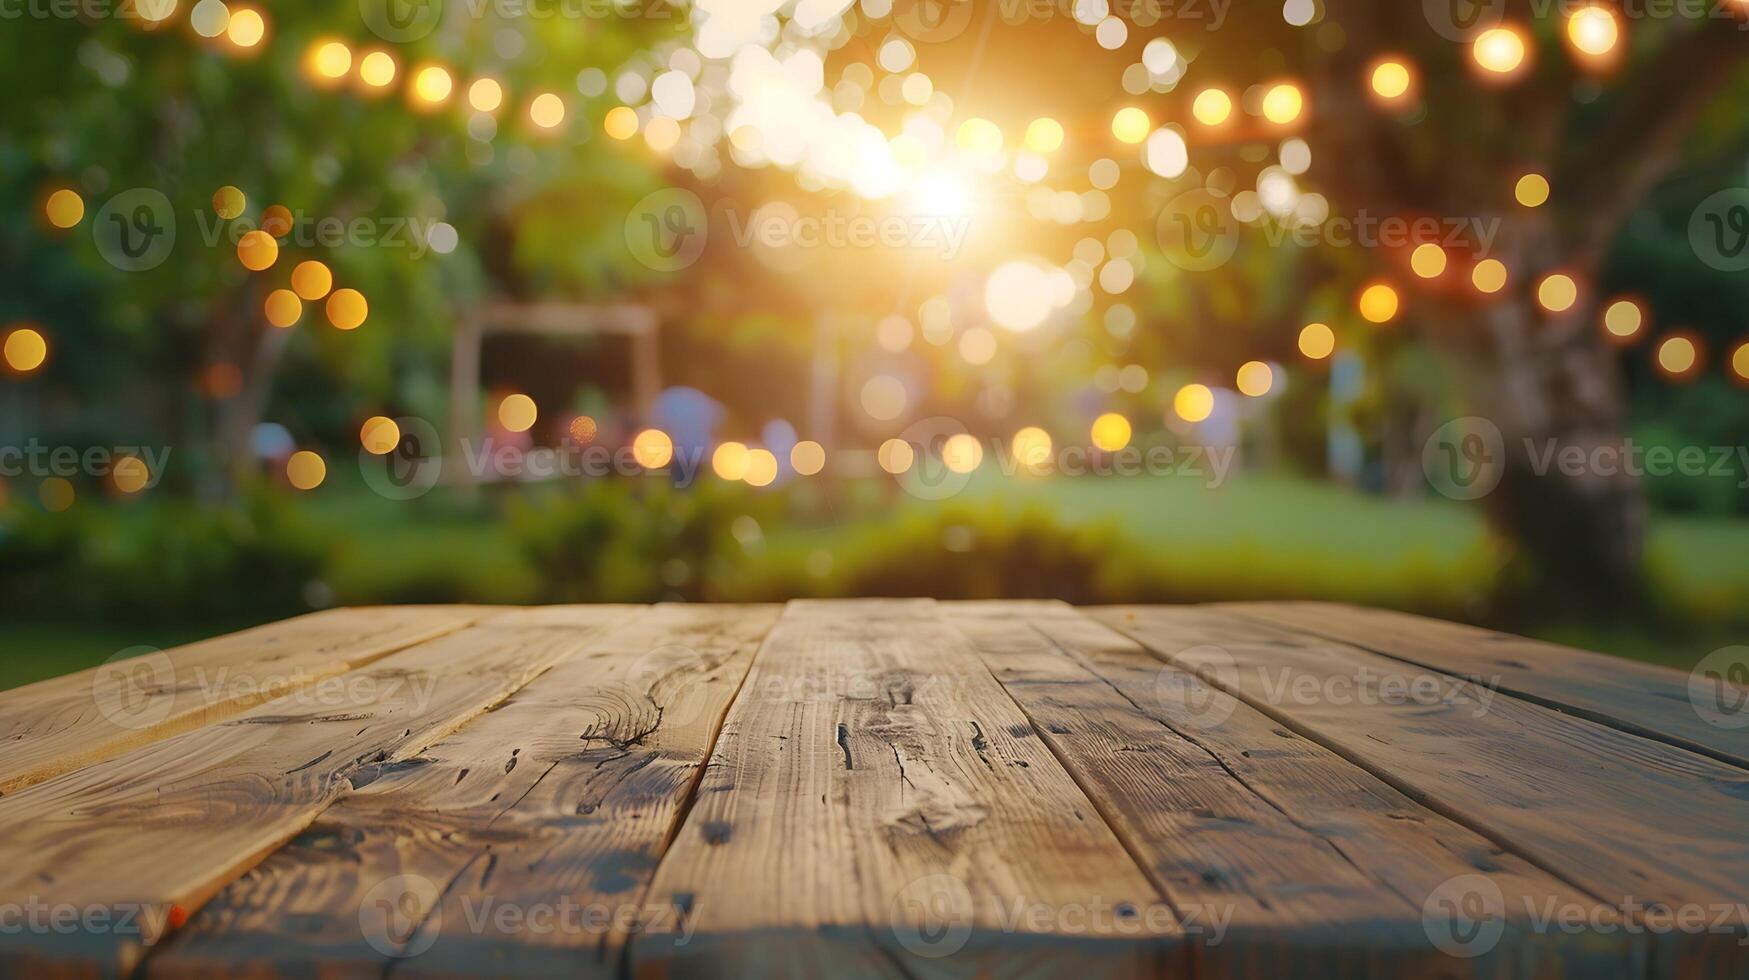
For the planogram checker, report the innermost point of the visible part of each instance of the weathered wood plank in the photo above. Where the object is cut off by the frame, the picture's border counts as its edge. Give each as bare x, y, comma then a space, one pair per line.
1629, 819
539, 825
160, 829
1639, 698
877, 805
64, 723
1314, 865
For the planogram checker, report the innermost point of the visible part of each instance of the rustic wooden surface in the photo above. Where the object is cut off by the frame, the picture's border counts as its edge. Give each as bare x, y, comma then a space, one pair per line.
894, 788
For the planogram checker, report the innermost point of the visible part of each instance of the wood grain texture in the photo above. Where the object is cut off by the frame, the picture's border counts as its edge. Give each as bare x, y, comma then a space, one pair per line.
162, 828
1628, 819
877, 805
521, 845
1640, 698
64, 723
1315, 866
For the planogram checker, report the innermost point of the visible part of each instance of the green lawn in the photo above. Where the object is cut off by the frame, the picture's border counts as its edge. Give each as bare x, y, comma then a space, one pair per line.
1251, 538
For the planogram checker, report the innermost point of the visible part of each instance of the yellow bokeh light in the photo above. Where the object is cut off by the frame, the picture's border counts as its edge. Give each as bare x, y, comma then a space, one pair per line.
486, 95
26, 349
729, 461
1740, 361
432, 84
1489, 276
1499, 50
1212, 107
56, 494
305, 470
64, 208
1531, 190
283, 308
895, 456
761, 468
1391, 79
1428, 260
962, 452
1110, 432
1282, 103
1131, 125
347, 309
1557, 292
807, 457
276, 220
652, 449
517, 412
1044, 135
1593, 31
229, 202
1623, 318
331, 60
311, 280
1317, 341
1031, 447
547, 110
130, 475
379, 435
1194, 402
621, 122
257, 250
662, 134
1678, 355
1255, 378
246, 27
377, 69
209, 17
155, 11
980, 136
1378, 303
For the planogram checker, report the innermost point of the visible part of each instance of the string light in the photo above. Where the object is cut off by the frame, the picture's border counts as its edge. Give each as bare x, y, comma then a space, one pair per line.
517, 412
962, 452
311, 280
1428, 260
377, 69
1194, 402
807, 457
546, 110
305, 470
1593, 31
1045, 135
229, 202
283, 308
1282, 103
25, 350
1317, 341
1532, 190
621, 122
64, 208
1489, 276
1623, 319
1378, 303
1130, 125
1678, 356
379, 435
761, 469
432, 85
347, 309
895, 456
1499, 51
1557, 292
1391, 79
1212, 107
1255, 379
485, 95
257, 250
329, 61
1031, 447
1110, 432
652, 449
729, 461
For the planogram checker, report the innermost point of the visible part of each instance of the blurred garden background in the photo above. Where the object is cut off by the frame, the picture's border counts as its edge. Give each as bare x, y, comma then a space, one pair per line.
1439, 307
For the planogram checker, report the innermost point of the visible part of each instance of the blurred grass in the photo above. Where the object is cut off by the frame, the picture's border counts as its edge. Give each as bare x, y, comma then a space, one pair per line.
1253, 538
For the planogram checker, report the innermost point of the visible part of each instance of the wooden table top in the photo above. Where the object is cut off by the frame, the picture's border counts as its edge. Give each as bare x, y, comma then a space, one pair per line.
886, 787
